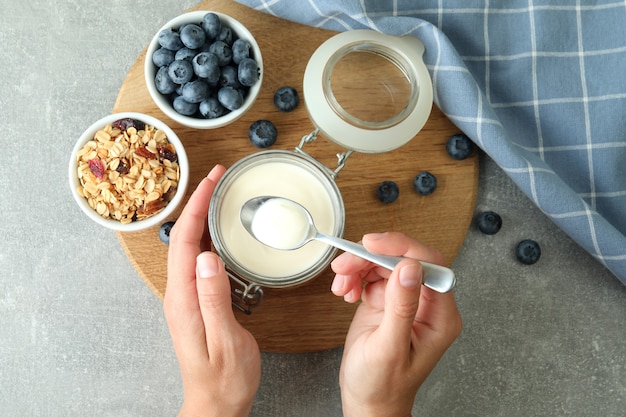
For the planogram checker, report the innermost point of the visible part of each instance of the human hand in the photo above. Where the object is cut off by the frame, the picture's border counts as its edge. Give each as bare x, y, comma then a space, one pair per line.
219, 360
399, 331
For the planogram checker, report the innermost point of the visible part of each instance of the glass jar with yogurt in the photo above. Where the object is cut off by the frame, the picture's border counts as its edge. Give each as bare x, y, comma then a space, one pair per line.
352, 101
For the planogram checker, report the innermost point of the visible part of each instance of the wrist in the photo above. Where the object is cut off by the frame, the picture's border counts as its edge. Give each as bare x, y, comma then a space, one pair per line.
355, 408
200, 400
194, 409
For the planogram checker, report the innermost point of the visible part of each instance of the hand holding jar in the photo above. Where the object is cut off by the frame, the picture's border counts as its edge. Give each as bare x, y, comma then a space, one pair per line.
214, 351
399, 332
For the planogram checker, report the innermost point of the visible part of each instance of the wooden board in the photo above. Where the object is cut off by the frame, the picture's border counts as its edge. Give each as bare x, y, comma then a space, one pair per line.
310, 317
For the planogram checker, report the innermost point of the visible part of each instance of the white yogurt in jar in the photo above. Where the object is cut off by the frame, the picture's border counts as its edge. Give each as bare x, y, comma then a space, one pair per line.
281, 224
276, 175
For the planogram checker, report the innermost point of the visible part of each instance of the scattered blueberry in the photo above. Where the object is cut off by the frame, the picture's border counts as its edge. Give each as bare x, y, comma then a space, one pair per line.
262, 133
248, 72
425, 183
211, 108
489, 222
163, 82
528, 252
222, 51
180, 71
196, 91
286, 98
170, 39
388, 192
163, 57
230, 98
184, 107
192, 36
241, 50
459, 146
206, 65
212, 25
164, 232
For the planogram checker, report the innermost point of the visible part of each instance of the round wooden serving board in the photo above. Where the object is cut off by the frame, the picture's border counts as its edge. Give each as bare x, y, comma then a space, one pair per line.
309, 317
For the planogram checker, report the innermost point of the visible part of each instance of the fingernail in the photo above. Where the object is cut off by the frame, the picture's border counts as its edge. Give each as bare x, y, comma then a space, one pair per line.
350, 297
411, 276
338, 283
212, 171
207, 265
375, 236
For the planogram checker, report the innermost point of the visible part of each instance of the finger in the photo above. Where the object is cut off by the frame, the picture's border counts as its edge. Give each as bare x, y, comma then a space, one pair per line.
399, 244
439, 312
436, 310
186, 241
347, 263
402, 296
214, 295
180, 305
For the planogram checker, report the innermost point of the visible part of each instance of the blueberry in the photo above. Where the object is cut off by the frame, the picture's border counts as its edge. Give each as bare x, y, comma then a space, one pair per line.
528, 252
192, 36
230, 98
425, 183
196, 91
226, 36
388, 192
162, 57
212, 25
206, 65
228, 77
180, 71
286, 98
163, 82
184, 107
241, 50
185, 54
489, 222
459, 147
262, 133
211, 108
223, 52
248, 72
164, 232
170, 39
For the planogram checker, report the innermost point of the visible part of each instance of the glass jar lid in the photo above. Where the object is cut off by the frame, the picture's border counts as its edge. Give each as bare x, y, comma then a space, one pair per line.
368, 91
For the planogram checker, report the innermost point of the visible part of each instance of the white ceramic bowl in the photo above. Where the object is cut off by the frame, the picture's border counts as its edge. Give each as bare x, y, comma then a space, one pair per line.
136, 225
163, 102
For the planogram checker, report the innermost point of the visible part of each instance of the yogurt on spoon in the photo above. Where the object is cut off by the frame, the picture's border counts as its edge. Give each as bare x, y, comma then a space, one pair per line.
281, 224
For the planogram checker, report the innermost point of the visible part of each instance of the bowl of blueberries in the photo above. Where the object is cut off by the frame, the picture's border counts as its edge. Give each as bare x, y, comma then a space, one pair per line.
203, 69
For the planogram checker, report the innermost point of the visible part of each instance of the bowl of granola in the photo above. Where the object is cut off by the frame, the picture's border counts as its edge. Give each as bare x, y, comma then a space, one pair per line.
203, 69
128, 171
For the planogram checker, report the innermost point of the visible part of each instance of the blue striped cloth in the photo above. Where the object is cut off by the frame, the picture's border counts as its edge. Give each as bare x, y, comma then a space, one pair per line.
541, 88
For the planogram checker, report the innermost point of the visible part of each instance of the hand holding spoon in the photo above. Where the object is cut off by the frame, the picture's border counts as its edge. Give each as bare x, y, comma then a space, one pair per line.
286, 225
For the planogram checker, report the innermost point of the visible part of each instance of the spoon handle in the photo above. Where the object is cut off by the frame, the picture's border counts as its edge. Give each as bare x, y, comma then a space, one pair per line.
436, 277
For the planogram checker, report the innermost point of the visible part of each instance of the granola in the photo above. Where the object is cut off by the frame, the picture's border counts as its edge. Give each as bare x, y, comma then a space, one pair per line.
128, 171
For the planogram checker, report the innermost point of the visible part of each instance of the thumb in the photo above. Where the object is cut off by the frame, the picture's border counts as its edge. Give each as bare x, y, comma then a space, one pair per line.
214, 293
402, 296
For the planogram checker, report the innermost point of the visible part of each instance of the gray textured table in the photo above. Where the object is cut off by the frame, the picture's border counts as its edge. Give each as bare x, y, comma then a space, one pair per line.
80, 334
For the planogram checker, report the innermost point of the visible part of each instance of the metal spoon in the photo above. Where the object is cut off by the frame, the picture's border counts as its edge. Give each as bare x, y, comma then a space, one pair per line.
268, 227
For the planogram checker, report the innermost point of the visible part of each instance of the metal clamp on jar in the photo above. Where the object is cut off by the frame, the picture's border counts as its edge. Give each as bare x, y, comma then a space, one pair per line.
389, 112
